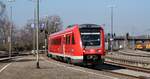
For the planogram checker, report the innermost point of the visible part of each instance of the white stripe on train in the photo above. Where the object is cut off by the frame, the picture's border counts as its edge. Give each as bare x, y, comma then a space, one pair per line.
72, 57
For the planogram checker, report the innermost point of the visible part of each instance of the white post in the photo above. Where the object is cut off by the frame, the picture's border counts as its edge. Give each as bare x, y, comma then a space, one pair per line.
111, 28
37, 35
10, 30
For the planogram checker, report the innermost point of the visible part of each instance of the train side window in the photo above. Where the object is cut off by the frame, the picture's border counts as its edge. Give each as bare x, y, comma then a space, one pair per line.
73, 40
52, 42
68, 39
59, 41
56, 41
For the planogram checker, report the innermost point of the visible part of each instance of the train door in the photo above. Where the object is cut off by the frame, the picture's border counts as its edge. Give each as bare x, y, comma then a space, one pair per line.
67, 47
63, 45
72, 44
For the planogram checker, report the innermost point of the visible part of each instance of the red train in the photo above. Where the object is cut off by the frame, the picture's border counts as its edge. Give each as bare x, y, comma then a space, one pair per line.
78, 44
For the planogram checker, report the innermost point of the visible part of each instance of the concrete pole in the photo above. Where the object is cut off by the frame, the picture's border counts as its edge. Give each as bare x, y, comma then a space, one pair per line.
45, 45
112, 28
37, 34
10, 29
46, 35
10, 36
34, 32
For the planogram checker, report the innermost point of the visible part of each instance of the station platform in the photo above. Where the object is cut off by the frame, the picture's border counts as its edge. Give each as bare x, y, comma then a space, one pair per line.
25, 68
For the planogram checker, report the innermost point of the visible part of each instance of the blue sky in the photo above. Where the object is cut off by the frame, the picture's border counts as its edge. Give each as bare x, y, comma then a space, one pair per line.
129, 15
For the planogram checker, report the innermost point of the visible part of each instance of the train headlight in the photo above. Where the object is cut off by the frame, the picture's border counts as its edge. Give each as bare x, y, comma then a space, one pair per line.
99, 51
84, 51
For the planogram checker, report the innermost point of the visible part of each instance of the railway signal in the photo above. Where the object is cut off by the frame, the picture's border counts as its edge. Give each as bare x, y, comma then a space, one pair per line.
42, 27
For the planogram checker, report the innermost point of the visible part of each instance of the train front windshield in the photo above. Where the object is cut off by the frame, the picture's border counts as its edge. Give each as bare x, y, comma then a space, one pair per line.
90, 35
90, 39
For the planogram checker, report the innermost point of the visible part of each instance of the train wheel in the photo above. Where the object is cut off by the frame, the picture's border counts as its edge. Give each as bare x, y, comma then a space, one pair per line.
68, 60
49, 55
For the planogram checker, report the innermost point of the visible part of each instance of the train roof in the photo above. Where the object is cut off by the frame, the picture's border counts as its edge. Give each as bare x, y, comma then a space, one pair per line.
89, 26
71, 27
86, 26
65, 30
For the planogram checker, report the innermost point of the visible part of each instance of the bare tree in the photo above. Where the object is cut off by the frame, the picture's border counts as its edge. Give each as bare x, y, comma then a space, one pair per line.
54, 24
4, 28
24, 36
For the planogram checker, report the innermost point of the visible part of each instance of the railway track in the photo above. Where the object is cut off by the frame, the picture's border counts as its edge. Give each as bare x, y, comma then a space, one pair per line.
129, 60
118, 69
146, 70
137, 63
134, 53
133, 68
106, 70
4, 57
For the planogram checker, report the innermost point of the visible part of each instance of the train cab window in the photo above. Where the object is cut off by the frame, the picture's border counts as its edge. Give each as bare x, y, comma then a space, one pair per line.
90, 39
73, 40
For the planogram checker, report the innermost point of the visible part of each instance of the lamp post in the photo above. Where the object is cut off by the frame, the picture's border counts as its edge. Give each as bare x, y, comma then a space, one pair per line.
37, 21
33, 25
10, 29
111, 22
37, 33
46, 34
